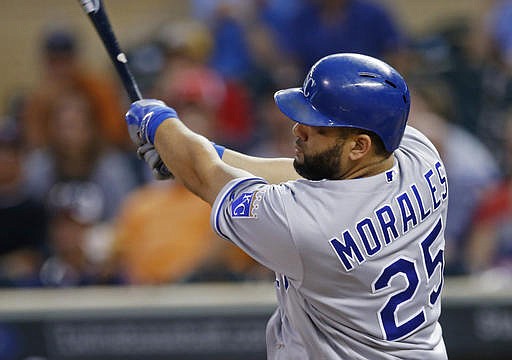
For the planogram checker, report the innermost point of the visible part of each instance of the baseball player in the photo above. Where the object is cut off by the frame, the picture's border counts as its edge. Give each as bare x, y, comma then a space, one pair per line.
352, 226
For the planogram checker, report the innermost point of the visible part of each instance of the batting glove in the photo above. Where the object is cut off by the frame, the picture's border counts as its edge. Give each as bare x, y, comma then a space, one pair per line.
144, 117
153, 159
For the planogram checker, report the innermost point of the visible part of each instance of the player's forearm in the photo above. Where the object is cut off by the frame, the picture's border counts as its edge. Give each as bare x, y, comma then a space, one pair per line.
274, 170
193, 160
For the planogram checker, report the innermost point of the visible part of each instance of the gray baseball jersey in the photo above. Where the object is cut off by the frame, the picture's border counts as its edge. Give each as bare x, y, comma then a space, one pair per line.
359, 263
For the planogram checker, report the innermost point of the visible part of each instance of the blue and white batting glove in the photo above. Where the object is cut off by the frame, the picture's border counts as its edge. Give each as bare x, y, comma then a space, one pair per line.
144, 117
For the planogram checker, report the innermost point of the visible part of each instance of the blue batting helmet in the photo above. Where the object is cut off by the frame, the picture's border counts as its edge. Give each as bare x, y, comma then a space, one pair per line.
351, 90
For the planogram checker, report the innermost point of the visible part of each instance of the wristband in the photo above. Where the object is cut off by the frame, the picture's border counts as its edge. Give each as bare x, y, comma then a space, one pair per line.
160, 114
219, 148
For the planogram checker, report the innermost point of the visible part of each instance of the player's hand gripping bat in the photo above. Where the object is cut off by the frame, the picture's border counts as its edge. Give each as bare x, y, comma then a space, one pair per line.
99, 18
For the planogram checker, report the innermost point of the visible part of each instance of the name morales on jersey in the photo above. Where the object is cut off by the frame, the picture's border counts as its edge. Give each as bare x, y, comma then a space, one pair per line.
244, 205
390, 221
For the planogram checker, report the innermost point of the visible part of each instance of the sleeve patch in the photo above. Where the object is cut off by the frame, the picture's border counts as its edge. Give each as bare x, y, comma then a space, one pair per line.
244, 205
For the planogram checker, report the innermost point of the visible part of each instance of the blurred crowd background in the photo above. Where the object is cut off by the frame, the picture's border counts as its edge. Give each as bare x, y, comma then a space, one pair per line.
78, 208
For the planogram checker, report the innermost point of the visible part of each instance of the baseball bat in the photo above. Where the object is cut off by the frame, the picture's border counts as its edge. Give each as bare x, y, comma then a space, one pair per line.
99, 18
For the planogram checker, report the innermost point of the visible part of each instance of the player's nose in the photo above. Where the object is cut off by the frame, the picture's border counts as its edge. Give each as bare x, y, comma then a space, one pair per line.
299, 131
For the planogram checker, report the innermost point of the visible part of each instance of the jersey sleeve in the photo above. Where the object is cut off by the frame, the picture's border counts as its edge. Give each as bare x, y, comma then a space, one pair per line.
250, 213
415, 138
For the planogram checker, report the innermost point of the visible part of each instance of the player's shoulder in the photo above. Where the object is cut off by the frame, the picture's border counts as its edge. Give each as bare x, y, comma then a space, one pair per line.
244, 190
414, 140
261, 185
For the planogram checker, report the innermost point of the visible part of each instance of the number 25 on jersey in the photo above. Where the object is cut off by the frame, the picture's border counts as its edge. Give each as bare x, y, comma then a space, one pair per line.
409, 270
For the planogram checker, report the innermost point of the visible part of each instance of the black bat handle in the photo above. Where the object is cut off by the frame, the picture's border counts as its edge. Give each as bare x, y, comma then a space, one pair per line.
97, 14
99, 18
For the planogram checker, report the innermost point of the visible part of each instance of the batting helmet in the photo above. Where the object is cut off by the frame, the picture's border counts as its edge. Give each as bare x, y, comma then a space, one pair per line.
351, 90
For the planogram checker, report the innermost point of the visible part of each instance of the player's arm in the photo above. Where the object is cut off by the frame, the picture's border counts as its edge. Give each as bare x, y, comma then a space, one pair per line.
180, 148
190, 157
193, 161
274, 170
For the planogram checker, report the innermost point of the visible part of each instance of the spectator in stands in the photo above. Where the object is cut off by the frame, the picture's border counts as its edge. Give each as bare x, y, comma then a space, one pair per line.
498, 26
279, 15
277, 139
78, 245
166, 245
75, 154
470, 166
473, 63
230, 53
188, 47
23, 219
323, 27
62, 73
490, 241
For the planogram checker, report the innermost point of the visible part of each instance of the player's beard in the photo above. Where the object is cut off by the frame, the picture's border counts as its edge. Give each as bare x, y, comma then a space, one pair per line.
325, 165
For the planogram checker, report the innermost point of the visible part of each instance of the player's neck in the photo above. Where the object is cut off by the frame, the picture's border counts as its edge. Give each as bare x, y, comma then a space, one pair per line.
372, 167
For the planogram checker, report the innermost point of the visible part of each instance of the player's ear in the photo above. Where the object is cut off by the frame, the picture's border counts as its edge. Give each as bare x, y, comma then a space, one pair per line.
361, 145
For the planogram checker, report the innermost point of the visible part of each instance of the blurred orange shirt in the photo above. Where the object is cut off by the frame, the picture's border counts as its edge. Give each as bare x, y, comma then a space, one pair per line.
102, 94
163, 234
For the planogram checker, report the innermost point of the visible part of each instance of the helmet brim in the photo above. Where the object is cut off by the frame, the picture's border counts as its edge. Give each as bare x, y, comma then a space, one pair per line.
296, 106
